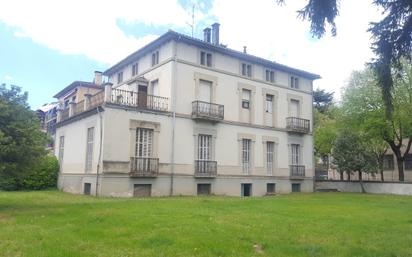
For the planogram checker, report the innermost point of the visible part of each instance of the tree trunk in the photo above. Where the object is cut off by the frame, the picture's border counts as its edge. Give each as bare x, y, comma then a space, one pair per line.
381, 171
399, 160
341, 175
348, 176
360, 175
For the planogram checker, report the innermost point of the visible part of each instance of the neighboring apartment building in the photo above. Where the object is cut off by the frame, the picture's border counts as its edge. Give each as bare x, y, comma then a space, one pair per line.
390, 168
47, 115
183, 116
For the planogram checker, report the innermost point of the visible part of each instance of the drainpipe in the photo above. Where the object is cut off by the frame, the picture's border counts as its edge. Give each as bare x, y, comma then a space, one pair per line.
174, 94
100, 151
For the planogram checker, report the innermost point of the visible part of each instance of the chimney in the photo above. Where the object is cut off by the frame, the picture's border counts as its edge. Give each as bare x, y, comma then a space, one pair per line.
244, 49
97, 78
215, 33
206, 35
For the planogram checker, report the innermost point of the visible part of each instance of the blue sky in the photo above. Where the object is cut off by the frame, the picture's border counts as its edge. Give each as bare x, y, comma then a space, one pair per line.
48, 44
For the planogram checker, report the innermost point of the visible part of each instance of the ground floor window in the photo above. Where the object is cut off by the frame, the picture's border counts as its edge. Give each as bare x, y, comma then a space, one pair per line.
142, 190
246, 189
203, 189
270, 188
87, 190
295, 187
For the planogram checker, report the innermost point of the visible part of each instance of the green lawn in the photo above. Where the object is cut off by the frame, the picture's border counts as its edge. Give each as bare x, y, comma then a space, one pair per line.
321, 224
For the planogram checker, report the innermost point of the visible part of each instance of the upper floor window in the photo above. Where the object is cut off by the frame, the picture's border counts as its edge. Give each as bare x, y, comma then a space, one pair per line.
61, 152
246, 70
269, 104
135, 69
206, 59
89, 149
155, 58
120, 77
295, 154
270, 76
294, 82
246, 155
246, 98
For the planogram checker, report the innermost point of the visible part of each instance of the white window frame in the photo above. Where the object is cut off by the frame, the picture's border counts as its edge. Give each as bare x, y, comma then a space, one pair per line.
206, 59
144, 143
89, 150
155, 58
270, 75
246, 98
119, 77
246, 69
135, 69
204, 147
270, 157
294, 82
246, 155
295, 154
269, 103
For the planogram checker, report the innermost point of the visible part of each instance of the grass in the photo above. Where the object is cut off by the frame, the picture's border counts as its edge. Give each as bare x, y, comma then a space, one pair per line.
321, 224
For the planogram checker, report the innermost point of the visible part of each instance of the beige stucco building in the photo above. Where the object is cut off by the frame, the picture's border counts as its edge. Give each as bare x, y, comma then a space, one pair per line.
183, 116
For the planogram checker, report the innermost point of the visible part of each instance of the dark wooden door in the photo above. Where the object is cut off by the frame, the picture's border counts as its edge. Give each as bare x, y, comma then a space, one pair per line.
142, 96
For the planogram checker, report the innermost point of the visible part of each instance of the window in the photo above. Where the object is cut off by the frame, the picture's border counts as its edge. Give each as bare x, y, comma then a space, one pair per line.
246, 189
270, 152
155, 87
270, 76
144, 142
388, 163
246, 98
295, 154
246, 70
408, 162
294, 108
206, 59
295, 187
294, 82
120, 77
135, 69
246, 156
89, 149
66, 103
269, 104
204, 147
203, 189
73, 99
87, 188
270, 188
155, 58
61, 152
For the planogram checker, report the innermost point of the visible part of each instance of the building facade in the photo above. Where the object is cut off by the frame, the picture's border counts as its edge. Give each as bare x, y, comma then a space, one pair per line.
184, 116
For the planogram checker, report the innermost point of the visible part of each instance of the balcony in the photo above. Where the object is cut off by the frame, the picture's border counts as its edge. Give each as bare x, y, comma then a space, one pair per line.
139, 99
207, 111
297, 171
297, 125
144, 167
205, 169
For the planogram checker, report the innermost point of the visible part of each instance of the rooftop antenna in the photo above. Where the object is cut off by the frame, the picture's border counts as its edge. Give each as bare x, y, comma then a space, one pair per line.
192, 25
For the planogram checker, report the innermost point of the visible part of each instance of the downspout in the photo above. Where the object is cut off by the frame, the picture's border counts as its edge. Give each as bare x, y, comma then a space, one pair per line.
100, 151
174, 83
313, 142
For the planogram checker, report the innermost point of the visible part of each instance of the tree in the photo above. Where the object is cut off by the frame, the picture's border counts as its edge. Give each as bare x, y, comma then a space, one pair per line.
21, 141
322, 100
363, 109
351, 154
392, 43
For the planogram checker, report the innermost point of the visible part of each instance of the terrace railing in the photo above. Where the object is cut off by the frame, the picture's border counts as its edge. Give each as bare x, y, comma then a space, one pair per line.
297, 171
299, 125
139, 99
144, 167
209, 111
204, 168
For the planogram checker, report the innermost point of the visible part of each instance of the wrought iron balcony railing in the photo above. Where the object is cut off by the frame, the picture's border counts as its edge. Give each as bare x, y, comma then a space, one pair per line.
208, 111
205, 168
139, 99
299, 125
144, 167
297, 171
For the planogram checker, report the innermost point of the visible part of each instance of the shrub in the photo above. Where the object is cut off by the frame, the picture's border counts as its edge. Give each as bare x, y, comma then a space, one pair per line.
43, 176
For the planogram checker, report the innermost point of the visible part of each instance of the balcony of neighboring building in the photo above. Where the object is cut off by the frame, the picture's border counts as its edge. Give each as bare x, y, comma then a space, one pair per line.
297, 171
205, 169
144, 167
207, 111
124, 98
297, 125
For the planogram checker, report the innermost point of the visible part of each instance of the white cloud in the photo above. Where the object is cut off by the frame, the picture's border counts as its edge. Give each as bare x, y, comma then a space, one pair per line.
268, 30
89, 27
8, 78
274, 32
